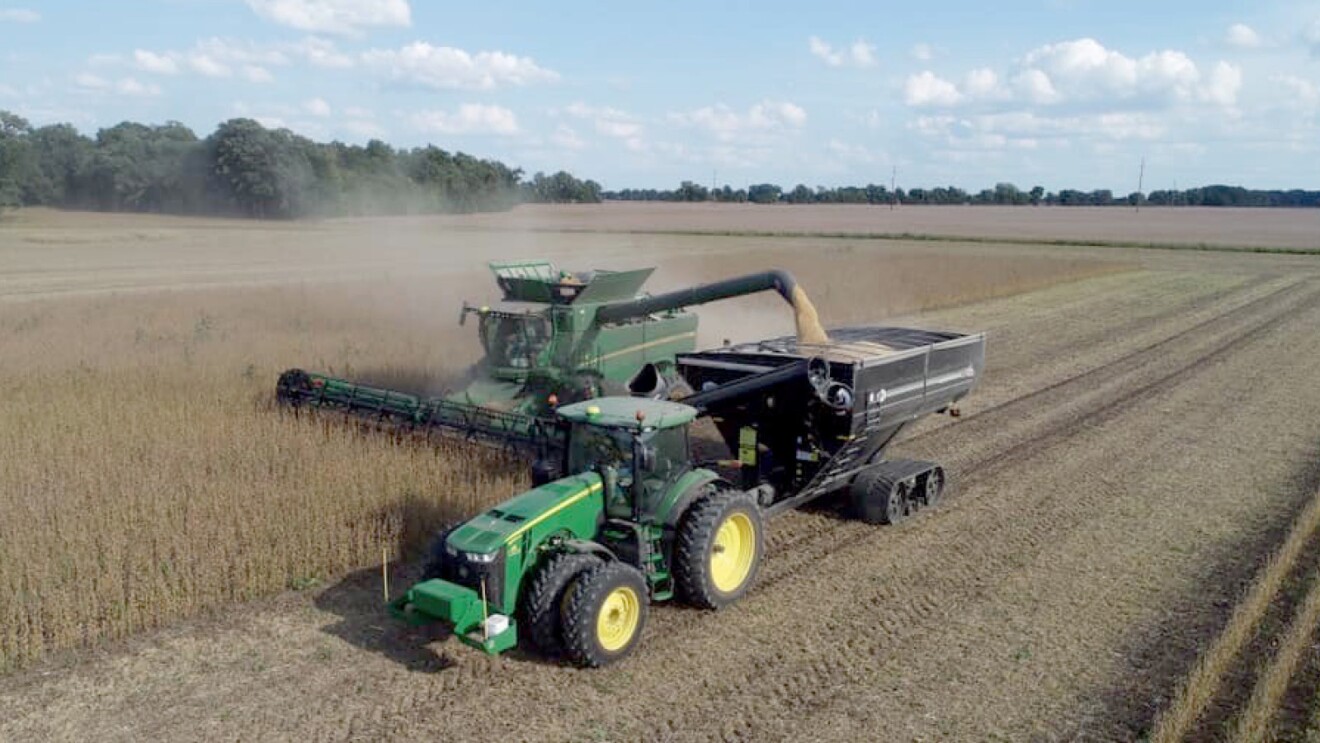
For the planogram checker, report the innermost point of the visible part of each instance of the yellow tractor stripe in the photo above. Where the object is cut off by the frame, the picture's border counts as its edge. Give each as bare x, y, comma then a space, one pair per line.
565, 503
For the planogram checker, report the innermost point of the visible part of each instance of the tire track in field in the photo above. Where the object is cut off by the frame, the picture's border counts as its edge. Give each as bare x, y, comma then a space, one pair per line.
838, 539
1011, 539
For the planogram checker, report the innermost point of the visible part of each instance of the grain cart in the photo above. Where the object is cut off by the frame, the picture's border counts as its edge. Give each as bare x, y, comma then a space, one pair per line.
559, 338
573, 564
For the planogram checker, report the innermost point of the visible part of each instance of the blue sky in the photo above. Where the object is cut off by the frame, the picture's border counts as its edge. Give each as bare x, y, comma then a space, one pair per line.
1060, 93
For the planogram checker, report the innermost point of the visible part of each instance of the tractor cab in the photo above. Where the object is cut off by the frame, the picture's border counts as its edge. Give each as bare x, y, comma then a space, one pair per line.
637, 445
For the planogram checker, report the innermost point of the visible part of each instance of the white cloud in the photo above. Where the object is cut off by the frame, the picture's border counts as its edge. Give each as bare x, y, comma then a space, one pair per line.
608, 121
982, 83
321, 53
90, 82
929, 89
316, 107
19, 15
1242, 36
161, 64
851, 153
470, 118
727, 124
1034, 86
922, 52
205, 64
214, 57
257, 74
130, 86
1223, 85
858, 54
344, 17
1300, 93
1083, 71
124, 86
446, 67
565, 138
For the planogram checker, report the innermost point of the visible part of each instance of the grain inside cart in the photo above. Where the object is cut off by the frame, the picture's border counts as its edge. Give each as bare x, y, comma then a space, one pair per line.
626, 516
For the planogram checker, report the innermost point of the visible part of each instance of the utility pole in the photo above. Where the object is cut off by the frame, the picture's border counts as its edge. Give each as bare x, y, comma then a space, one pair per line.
893, 188
1141, 180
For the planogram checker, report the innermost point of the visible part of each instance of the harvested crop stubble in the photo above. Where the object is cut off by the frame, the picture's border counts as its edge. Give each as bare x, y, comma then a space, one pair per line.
1204, 681
1254, 722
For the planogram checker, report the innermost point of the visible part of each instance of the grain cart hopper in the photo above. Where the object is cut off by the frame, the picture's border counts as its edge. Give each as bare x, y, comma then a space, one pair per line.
573, 564
559, 338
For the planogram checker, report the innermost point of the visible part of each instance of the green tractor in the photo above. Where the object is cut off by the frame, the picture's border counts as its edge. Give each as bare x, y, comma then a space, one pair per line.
573, 564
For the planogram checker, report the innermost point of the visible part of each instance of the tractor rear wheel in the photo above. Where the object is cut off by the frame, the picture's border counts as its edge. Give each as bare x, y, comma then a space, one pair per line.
605, 613
718, 550
543, 605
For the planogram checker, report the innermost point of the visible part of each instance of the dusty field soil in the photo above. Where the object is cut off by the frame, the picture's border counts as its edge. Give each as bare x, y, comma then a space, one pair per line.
1142, 443
1295, 228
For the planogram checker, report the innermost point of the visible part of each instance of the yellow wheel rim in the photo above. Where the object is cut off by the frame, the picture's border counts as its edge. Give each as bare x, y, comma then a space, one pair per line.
617, 622
733, 553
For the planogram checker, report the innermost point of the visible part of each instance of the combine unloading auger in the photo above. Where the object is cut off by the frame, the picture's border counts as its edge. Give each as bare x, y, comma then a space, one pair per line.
584, 336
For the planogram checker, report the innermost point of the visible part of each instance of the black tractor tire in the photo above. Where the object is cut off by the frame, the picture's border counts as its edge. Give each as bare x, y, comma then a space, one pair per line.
612, 596
439, 562
543, 603
876, 499
698, 543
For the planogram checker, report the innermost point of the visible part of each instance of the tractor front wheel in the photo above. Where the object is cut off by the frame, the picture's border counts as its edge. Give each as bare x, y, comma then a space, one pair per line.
544, 604
718, 549
605, 613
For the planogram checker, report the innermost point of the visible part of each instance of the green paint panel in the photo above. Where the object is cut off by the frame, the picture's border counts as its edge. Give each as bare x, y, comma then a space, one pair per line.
621, 412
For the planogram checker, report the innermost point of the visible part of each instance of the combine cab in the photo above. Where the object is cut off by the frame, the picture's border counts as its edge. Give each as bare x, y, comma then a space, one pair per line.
573, 564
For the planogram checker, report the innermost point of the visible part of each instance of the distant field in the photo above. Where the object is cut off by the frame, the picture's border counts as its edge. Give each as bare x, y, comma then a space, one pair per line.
1129, 550
1232, 227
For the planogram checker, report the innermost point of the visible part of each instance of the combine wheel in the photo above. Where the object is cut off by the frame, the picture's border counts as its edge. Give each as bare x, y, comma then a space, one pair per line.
544, 604
292, 386
718, 549
604, 614
876, 499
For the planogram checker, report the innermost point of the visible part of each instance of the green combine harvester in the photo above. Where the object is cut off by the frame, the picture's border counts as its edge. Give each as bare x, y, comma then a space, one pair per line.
559, 338
623, 515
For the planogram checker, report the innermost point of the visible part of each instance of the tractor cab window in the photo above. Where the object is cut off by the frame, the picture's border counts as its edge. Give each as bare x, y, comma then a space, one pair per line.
513, 340
669, 452
591, 447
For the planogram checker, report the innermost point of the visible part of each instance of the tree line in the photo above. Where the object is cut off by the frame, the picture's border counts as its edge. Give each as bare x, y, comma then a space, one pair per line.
246, 169
1001, 194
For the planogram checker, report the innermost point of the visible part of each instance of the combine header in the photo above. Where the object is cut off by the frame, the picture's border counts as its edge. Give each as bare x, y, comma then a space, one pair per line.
573, 564
559, 338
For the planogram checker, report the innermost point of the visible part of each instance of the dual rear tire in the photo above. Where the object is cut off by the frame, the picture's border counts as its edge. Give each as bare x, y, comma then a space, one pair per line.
586, 609
593, 611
